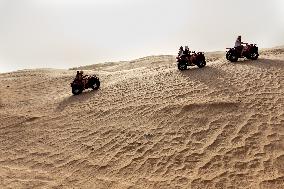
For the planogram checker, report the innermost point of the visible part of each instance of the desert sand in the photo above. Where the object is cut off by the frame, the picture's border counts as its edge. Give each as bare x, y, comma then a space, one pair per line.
149, 126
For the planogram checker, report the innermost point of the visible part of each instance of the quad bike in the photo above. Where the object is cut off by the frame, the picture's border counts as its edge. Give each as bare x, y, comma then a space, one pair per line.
250, 52
191, 59
86, 82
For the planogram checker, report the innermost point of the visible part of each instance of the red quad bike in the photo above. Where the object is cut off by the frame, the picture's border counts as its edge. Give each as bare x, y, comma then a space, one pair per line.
191, 59
87, 82
250, 52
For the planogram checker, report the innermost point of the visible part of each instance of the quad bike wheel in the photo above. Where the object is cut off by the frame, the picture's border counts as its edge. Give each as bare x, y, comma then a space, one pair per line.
201, 63
182, 66
76, 90
254, 56
232, 56
95, 84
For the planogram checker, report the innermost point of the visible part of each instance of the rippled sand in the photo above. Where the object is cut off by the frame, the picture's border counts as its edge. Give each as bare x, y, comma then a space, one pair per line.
149, 126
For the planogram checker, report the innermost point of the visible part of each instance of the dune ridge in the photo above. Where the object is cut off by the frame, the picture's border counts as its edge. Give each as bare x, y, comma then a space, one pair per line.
149, 126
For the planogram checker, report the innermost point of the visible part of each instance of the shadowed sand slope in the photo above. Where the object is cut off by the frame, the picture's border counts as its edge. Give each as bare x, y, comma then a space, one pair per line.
149, 126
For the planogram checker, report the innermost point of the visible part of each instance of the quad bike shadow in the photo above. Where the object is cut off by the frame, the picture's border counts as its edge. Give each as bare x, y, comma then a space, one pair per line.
75, 99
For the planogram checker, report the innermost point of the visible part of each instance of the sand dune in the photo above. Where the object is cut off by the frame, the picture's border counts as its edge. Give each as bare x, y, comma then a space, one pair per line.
149, 126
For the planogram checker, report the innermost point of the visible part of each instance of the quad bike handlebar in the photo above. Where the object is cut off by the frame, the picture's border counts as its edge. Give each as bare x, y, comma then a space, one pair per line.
250, 44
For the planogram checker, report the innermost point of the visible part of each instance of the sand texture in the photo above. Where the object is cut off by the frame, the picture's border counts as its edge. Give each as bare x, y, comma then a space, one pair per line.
149, 126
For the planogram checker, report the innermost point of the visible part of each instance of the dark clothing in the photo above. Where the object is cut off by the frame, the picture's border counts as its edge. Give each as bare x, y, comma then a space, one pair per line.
186, 51
239, 49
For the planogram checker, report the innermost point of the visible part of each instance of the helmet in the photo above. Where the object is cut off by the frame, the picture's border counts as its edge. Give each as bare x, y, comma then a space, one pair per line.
186, 48
81, 72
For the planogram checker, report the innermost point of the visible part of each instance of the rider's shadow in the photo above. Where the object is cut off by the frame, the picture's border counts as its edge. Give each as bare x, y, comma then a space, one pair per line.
73, 99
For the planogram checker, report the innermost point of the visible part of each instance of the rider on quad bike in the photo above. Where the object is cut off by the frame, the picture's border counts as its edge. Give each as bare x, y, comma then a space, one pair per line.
239, 45
187, 58
186, 51
80, 76
181, 51
249, 51
82, 82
